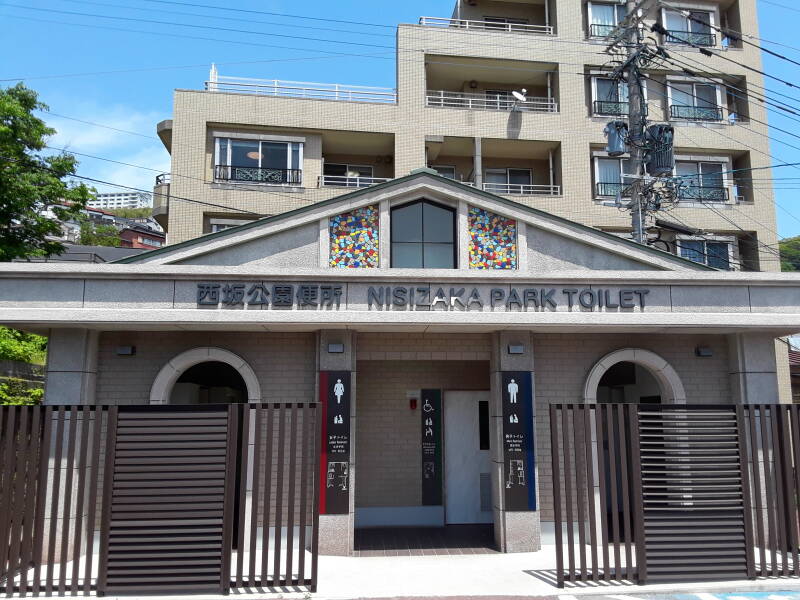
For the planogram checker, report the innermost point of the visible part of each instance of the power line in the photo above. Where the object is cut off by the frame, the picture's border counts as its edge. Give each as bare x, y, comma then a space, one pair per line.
150, 137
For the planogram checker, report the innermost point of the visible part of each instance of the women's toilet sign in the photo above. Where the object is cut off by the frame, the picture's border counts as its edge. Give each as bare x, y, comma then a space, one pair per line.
431, 436
519, 486
334, 390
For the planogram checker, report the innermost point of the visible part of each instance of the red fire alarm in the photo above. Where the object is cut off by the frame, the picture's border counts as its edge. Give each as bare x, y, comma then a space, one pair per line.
412, 403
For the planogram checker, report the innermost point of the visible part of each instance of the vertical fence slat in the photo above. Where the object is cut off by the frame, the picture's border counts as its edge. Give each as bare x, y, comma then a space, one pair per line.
93, 478
794, 424
612, 435
568, 494
555, 411
51, 542
744, 469
31, 496
789, 529
66, 516
279, 495
769, 458
580, 485
292, 501
622, 420
601, 480
108, 488
16, 508
269, 440
9, 464
254, 497
306, 450
754, 413
243, 443
590, 452
638, 496
39, 523
315, 501
81, 485
780, 499
230, 491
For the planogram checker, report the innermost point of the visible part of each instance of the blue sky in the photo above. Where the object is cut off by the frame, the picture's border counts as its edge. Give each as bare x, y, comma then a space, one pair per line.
56, 51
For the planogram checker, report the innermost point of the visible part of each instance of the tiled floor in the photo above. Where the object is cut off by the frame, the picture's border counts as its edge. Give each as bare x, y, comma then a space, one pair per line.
425, 541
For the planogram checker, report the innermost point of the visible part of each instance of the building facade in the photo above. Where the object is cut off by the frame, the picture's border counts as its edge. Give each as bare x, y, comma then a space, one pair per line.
112, 200
435, 322
268, 146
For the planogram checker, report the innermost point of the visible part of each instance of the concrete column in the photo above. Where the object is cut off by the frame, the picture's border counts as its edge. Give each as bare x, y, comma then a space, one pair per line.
336, 531
477, 164
71, 366
753, 370
514, 531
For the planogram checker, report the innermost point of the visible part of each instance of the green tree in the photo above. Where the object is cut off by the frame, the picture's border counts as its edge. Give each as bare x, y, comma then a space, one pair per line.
29, 182
21, 346
20, 392
790, 254
98, 235
132, 213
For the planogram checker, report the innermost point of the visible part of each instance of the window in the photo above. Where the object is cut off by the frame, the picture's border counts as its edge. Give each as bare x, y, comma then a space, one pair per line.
342, 175
218, 224
694, 101
712, 253
609, 176
508, 181
702, 181
694, 29
423, 236
610, 96
258, 161
445, 171
603, 18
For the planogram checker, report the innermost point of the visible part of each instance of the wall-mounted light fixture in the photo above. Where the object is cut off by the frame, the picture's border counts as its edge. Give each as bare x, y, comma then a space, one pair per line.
125, 350
516, 349
335, 348
703, 352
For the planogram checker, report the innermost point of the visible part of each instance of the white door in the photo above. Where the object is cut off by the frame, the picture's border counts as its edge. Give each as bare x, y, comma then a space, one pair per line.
467, 466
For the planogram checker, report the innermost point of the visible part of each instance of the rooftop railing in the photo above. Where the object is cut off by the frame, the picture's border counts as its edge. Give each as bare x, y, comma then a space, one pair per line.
303, 89
446, 99
350, 182
163, 179
521, 189
487, 25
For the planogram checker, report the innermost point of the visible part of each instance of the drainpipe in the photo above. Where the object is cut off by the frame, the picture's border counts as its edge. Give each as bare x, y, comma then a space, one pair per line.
550, 86
547, 13
552, 173
477, 165
458, 10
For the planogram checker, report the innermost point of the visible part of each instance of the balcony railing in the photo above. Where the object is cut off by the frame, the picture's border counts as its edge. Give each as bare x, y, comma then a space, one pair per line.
612, 189
446, 99
520, 189
597, 30
303, 89
703, 193
487, 25
163, 179
258, 175
350, 182
691, 37
695, 113
610, 107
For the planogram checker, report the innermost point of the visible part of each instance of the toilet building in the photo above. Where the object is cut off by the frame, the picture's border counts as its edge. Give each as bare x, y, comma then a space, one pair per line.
435, 323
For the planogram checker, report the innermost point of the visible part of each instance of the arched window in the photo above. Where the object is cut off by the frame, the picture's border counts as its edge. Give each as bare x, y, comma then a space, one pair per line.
423, 236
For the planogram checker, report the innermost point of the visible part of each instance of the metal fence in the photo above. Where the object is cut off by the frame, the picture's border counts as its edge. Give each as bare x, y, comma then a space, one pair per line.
153, 499
654, 493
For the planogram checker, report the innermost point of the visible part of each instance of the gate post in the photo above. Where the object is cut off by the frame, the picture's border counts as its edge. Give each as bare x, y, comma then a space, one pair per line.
336, 384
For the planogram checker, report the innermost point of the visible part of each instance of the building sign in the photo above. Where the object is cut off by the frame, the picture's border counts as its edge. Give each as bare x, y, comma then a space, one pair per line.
334, 391
422, 297
519, 486
431, 423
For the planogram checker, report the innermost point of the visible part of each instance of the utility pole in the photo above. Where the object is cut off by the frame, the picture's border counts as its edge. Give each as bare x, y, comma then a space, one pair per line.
636, 121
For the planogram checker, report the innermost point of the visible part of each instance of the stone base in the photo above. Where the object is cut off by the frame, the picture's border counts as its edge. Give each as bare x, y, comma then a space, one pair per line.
336, 535
521, 531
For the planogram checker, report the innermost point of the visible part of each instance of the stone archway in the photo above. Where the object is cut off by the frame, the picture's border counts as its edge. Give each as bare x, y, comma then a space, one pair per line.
672, 390
170, 372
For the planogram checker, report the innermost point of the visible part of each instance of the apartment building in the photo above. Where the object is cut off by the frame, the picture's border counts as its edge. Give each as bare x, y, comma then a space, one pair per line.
269, 146
112, 200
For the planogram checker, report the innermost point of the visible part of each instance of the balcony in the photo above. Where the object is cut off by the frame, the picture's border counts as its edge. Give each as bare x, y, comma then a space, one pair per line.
691, 38
598, 30
301, 89
695, 113
487, 25
350, 182
448, 99
610, 107
267, 175
519, 189
161, 200
611, 189
703, 193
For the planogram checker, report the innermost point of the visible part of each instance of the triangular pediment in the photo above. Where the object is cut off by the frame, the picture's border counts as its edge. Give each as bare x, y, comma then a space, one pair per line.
539, 242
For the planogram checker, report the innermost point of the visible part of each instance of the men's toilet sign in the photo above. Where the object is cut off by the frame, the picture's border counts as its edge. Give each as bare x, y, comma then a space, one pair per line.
431, 436
519, 486
334, 391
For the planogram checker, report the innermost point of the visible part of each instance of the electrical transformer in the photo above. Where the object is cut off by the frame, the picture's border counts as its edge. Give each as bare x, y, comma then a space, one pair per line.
617, 134
660, 156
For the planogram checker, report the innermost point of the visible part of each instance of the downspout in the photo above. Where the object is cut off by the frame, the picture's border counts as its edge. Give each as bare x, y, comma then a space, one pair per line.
552, 174
550, 88
547, 13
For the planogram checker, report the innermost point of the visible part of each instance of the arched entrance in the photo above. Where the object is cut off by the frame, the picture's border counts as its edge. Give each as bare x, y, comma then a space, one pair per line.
631, 375
204, 376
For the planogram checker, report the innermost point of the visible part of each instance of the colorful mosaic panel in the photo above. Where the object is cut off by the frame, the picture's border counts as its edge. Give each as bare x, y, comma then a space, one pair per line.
493, 240
354, 239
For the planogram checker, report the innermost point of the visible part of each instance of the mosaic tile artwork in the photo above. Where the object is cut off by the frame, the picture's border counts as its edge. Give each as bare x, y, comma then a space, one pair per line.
354, 239
493, 240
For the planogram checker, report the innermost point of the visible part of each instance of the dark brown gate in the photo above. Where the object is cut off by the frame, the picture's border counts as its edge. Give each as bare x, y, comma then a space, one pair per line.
657, 493
200, 498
